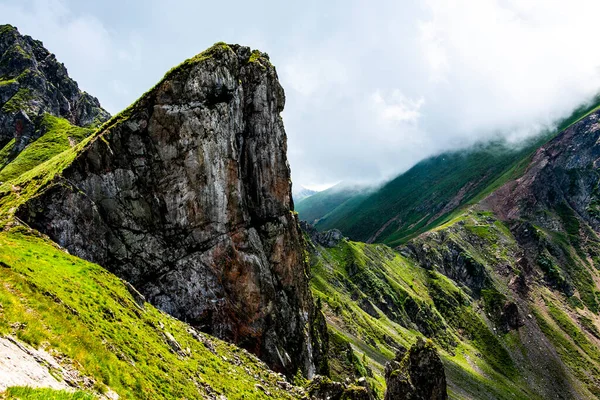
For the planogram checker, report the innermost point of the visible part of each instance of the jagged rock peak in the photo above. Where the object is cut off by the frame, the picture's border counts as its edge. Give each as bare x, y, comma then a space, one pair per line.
33, 82
187, 195
416, 375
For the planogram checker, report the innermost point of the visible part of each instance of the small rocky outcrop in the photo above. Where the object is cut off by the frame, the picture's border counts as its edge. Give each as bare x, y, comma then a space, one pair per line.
323, 388
187, 195
437, 250
511, 318
33, 82
329, 238
416, 374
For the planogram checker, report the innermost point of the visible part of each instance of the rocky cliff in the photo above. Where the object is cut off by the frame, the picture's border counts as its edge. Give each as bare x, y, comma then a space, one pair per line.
33, 82
187, 196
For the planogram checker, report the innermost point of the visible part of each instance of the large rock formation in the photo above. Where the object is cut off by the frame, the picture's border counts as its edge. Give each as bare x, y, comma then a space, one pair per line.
187, 195
416, 375
33, 82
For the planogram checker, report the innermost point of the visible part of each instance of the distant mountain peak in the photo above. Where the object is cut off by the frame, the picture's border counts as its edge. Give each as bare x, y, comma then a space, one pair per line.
300, 193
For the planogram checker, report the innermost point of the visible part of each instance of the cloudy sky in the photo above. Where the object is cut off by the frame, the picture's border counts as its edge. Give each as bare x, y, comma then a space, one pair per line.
372, 86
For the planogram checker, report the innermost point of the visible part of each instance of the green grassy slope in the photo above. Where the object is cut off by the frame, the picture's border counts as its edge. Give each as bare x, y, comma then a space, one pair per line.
59, 136
86, 315
319, 205
375, 298
27, 393
429, 193
423, 196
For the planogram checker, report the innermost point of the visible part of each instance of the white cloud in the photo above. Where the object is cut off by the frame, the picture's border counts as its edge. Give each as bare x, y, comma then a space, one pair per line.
370, 88
466, 70
396, 108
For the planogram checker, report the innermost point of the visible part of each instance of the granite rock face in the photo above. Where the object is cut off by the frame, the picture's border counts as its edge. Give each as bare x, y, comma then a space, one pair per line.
187, 195
416, 375
33, 82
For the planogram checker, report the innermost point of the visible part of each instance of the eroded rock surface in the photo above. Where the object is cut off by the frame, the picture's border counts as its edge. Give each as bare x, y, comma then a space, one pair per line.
416, 375
187, 195
21, 365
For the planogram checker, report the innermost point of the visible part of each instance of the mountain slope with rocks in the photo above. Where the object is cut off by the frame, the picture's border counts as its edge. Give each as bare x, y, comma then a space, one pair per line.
128, 250
34, 83
507, 288
240, 274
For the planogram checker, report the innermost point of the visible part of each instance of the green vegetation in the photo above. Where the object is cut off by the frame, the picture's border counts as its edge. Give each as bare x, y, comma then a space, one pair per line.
7, 81
27, 393
565, 322
5, 152
257, 57
53, 300
59, 136
565, 263
5, 28
319, 205
26, 184
426, 195
368, 292
568, 341
85, 315
18, 101
375, 299
570, 221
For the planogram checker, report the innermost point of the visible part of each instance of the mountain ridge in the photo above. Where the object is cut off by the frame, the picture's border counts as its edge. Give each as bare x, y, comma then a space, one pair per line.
429, 193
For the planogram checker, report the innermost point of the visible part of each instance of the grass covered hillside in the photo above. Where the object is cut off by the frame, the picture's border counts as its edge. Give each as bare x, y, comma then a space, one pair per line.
508, 287
57, 136
319, 205
428, 194
495, 343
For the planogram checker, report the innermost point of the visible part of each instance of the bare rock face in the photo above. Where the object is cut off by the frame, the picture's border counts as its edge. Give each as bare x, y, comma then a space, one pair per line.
416, 375
33, 82
187, 195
